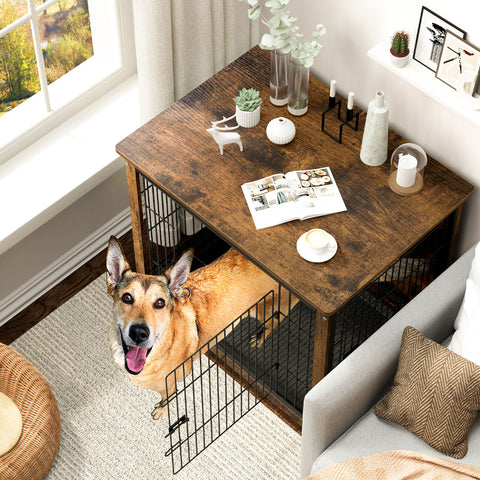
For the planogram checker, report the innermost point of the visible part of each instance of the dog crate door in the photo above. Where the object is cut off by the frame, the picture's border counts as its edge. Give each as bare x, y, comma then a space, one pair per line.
234, 372
212, 390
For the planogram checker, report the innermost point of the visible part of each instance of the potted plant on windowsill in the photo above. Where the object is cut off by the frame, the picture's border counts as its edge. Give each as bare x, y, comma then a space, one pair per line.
247, 110
399, 51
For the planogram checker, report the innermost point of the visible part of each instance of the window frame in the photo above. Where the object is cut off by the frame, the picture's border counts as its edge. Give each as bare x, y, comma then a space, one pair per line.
113, 61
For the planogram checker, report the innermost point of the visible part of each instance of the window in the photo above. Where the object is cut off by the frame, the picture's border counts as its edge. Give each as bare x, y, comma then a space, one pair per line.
39, 46
56, 56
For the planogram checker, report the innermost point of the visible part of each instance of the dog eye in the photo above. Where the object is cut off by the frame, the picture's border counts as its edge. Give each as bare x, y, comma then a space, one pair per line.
160, 303
127, 298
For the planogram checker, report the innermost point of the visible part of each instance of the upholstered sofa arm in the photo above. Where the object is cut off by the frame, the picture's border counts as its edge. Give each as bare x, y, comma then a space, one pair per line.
353, 387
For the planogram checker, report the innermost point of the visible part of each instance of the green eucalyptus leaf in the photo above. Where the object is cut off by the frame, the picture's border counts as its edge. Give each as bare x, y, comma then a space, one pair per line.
274, 22
321, 30
268, 41
273, 4
254, 12
308, 62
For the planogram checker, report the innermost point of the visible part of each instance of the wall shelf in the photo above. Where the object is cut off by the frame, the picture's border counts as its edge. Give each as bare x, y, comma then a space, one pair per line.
424, 79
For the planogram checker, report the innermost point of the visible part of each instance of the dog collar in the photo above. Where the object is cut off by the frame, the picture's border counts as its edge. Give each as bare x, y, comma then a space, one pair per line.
189, 292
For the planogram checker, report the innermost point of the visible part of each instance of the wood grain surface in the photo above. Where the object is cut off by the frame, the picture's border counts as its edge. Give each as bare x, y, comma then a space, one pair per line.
177, 153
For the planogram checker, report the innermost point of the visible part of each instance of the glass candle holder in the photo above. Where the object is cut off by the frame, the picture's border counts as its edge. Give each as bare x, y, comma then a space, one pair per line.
407, 169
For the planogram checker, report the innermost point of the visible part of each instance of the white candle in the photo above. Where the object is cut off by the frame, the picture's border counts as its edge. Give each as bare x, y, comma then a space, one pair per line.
350, 100
333, 88
407, 170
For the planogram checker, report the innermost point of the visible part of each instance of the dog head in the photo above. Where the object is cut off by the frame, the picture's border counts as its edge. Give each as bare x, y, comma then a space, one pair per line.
142, 306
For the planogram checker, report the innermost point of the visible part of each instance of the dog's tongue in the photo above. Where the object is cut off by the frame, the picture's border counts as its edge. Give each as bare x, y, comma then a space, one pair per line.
136, 358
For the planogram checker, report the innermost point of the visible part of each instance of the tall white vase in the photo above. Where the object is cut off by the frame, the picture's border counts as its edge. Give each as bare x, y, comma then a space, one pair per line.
375, 136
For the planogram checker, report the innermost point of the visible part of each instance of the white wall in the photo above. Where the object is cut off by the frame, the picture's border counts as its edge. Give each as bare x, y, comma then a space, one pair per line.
353, 28
63, 244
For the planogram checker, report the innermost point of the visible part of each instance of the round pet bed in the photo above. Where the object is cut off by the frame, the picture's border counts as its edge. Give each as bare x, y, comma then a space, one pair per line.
33, 455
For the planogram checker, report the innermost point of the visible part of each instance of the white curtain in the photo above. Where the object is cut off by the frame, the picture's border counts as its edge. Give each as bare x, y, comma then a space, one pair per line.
181, 43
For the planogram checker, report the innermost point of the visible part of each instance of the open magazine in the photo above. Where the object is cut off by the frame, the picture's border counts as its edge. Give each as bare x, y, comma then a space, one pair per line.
291, 196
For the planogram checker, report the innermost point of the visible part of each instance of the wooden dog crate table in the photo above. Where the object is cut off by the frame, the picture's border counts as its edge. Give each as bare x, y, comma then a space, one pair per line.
389, 246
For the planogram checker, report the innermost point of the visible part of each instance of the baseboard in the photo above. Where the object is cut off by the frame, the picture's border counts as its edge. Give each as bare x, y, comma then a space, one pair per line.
63, 266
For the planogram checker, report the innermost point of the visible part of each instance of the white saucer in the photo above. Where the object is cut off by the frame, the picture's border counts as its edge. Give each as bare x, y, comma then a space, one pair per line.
323, 256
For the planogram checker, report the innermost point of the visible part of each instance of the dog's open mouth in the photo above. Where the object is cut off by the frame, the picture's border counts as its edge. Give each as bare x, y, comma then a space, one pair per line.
135, 357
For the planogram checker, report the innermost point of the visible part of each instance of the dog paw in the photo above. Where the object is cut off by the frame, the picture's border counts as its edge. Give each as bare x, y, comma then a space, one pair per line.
159, 411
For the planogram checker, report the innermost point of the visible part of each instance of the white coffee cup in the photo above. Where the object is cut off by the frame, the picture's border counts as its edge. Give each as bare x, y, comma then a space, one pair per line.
317, 240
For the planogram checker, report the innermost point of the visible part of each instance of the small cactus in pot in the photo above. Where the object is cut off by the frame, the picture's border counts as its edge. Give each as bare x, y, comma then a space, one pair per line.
248, 104
400, 44
399, 49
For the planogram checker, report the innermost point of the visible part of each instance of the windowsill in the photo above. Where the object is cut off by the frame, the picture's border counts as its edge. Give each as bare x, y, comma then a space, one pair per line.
74, 89
65, 164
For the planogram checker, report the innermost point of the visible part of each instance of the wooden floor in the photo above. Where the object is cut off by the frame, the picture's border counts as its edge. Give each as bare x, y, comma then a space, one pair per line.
59, 294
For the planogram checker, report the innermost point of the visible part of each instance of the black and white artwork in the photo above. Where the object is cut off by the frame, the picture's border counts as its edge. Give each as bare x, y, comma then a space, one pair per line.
458, 59
430, 37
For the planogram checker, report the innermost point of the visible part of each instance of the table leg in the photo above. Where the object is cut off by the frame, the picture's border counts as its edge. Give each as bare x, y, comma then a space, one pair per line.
321, 346
456, 227
138, 227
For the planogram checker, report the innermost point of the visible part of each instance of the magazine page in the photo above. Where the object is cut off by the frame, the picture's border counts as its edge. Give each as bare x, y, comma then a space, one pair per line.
315, 192
270, 201
297, 195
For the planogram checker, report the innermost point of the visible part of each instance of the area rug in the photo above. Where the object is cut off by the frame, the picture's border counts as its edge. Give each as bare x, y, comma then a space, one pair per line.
107, 430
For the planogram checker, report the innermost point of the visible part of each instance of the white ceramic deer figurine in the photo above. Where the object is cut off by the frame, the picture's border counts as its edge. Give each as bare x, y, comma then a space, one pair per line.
223, 135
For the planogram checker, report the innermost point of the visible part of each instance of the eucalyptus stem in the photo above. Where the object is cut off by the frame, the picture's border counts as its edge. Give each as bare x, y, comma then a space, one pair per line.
276, 74
299, 90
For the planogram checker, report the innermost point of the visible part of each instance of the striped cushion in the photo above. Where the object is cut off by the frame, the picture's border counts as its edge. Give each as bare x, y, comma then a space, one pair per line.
435, 394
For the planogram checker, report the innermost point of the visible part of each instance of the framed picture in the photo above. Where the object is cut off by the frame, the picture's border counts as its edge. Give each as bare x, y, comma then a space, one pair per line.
457, 57
430, 35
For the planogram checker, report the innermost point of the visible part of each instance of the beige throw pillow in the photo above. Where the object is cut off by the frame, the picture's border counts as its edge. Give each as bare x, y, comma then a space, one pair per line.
435, 394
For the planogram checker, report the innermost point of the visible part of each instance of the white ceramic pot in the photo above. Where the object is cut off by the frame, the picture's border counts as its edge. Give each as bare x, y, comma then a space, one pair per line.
399, 61
248, 119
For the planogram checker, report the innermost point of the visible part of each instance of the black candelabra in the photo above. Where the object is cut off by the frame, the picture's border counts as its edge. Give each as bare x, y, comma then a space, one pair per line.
351, 118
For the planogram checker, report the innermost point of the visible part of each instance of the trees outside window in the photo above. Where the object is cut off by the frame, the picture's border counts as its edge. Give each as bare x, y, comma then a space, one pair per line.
58, 36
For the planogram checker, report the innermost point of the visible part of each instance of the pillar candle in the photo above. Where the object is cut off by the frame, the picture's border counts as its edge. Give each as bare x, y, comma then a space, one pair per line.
407, 170
333, 88
350, 101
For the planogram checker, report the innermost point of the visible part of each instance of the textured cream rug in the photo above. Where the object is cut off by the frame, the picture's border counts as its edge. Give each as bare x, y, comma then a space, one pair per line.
107, 431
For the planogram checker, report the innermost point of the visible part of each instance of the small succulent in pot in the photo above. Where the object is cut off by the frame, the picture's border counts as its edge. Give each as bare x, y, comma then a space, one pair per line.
247, 111
399, 49
248, 99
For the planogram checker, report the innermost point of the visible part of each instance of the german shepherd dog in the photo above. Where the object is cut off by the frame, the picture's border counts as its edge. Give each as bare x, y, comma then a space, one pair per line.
160, 321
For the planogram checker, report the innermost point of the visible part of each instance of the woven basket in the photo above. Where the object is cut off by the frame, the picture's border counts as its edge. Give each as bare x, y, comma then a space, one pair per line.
35, 452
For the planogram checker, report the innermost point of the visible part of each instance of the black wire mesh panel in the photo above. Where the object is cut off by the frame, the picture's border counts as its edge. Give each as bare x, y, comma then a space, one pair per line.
290, 344
236, 370
171, 229
390, 292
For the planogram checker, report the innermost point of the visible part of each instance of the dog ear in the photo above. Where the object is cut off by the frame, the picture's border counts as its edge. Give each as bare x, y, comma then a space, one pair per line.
178, 273
116, 263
